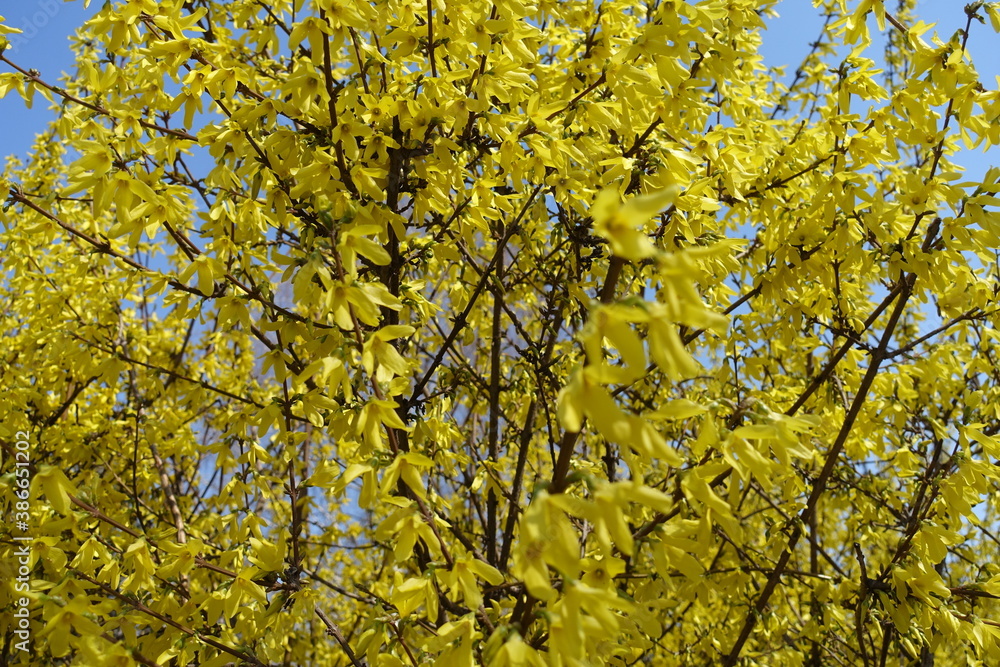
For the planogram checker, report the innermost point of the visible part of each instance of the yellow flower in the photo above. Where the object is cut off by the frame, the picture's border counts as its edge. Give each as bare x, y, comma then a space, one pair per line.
599, 572
622, 223
546, 539
5, 29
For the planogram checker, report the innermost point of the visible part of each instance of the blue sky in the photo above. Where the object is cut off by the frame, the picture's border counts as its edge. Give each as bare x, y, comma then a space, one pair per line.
47, 25
43, 45
787, 42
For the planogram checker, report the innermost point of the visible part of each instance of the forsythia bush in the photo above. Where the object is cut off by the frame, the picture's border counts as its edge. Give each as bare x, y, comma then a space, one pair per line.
501, 333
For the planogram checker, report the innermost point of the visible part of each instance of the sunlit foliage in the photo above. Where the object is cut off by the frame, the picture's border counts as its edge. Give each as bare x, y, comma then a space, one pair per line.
504, 333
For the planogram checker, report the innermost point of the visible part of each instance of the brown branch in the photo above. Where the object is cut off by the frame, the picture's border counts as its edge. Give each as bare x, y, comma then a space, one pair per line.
905, 286
579, 96
34, 78
615, 267
430, 37
101, 516
132, 651
334, 631
357, 54
462, 320
172, 505
527, 431
494, 411
824, 375
101, 246
173, 374
968, 315
895, 23
819, 486
331, 93
244, 655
